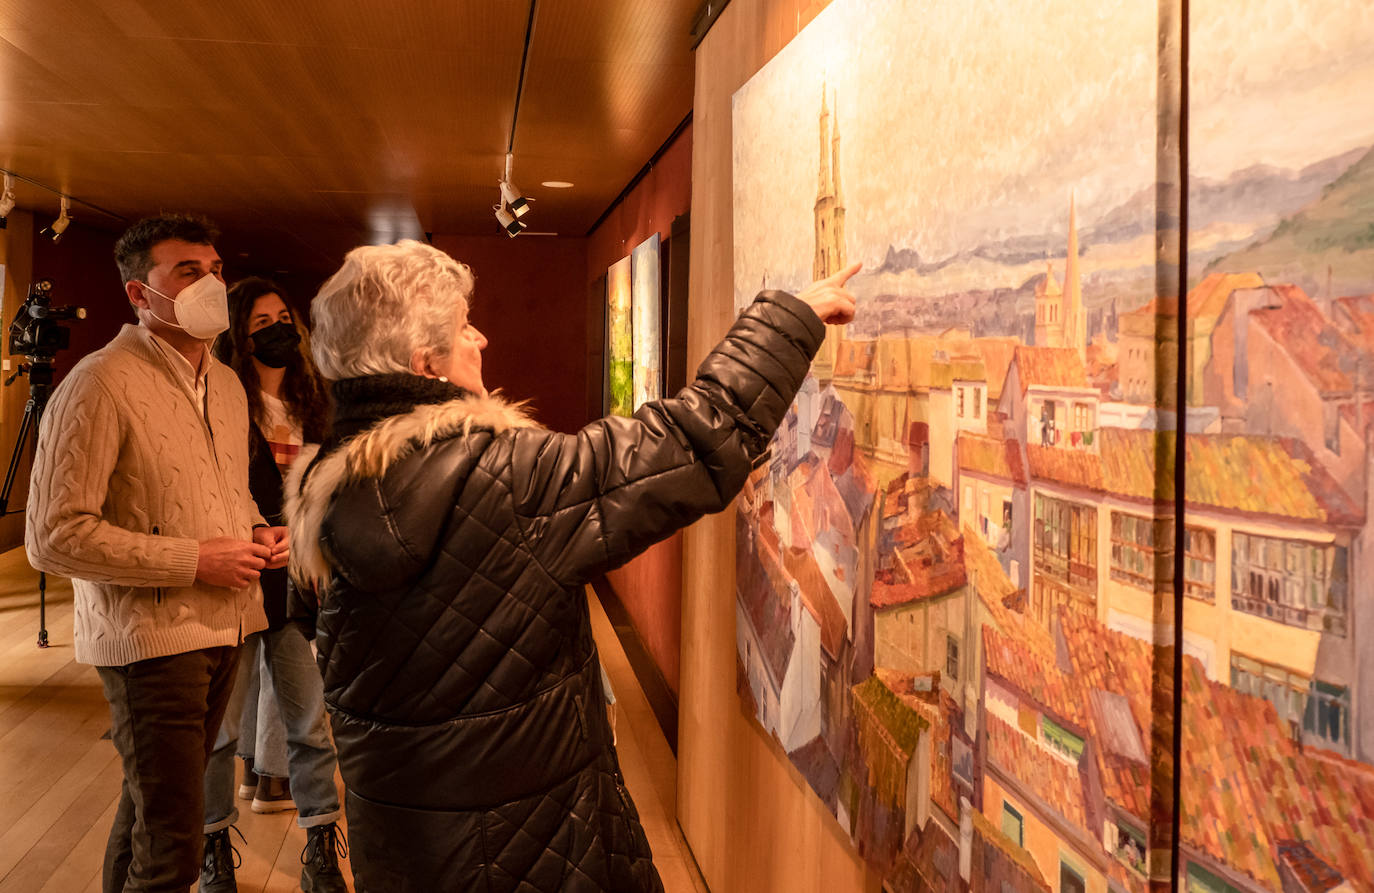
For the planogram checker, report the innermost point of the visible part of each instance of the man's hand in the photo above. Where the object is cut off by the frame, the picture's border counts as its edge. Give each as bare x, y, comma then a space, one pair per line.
278, 539
830, 299
230, 563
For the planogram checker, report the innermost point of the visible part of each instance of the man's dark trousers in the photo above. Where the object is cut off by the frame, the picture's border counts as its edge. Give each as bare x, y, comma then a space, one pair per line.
165, 713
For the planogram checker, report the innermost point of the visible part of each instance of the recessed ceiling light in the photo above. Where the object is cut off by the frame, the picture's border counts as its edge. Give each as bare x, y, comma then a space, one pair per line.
557, 184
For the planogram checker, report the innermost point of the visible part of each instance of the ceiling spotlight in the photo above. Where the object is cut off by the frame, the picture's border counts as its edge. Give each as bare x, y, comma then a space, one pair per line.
59, 226
7, 200
557, 184
508, 222
512, 197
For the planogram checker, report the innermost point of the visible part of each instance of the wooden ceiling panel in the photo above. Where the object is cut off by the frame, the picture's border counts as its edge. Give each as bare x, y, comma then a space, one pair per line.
222, 186
604, 91
63, 16
631, 99
338, 121
353, 23
23, 78
643, 31
411, 82
64, 127
152, 73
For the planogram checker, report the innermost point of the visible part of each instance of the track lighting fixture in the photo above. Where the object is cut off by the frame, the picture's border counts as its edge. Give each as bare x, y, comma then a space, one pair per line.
64, 220
508, 222
512, 197
513, 205
7, 200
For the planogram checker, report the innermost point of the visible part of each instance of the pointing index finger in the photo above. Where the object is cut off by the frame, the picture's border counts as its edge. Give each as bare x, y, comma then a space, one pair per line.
842, 276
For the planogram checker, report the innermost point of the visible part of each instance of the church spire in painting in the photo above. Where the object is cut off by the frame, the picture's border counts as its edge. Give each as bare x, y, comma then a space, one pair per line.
835, 156
829, 208
823, 181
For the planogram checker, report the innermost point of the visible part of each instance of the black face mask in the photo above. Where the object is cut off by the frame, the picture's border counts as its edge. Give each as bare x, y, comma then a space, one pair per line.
274, 345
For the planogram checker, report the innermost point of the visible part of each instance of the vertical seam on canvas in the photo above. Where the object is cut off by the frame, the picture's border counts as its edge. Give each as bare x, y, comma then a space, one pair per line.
1180, 455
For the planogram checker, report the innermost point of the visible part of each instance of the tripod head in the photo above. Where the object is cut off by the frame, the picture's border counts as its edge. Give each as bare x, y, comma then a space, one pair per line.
38, 335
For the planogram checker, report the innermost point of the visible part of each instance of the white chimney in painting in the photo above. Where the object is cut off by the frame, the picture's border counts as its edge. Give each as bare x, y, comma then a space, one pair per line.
965, 840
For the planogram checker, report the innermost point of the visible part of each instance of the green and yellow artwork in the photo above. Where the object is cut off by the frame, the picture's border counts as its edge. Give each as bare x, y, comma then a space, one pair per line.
648, 331
620, 337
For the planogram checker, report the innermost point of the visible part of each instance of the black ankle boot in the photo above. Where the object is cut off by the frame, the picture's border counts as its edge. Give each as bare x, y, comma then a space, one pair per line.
324, 844
218, 863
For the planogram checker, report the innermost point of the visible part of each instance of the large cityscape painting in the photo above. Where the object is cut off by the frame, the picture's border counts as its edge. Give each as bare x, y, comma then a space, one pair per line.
959, 571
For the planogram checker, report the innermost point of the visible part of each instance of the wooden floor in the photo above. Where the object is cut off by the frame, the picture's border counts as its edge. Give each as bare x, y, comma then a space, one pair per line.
59, 781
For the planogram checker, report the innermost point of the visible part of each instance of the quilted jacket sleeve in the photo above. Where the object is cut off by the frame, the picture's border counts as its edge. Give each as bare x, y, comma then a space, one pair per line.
590, 501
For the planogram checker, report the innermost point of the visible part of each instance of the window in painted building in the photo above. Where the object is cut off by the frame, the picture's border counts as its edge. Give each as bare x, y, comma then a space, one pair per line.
1297, 583
1200, 564
1142, 550
1200, 880
1070, 881
1061, 739
1130, 846
1328, 715
1013, 825
1286, 690
1066, 541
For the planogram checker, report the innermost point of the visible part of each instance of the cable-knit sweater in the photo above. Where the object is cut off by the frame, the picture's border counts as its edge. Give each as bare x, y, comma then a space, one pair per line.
129, 478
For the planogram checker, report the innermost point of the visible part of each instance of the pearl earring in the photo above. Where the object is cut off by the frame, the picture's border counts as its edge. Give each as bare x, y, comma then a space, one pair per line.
443, 378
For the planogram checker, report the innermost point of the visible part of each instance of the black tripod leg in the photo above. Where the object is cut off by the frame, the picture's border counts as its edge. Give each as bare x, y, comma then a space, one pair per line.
33, 411
25, 424
37, 402
42, 610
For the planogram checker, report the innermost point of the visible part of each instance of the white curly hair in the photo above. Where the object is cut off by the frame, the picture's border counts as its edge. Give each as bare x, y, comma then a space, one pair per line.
385, 304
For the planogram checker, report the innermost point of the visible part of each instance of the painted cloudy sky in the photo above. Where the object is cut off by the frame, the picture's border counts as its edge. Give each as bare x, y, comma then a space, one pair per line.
1279, 82
963, 124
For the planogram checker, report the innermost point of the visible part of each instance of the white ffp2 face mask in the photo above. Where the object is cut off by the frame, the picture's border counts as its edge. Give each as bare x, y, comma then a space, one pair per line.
202, 308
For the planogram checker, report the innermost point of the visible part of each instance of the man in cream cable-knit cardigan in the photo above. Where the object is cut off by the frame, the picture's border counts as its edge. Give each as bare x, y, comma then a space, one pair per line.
140, 495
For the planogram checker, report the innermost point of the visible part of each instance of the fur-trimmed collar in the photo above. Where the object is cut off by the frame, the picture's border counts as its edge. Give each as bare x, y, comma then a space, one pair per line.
310, 484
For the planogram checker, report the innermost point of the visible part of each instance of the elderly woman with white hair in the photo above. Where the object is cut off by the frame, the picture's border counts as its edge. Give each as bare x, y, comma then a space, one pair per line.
448, 537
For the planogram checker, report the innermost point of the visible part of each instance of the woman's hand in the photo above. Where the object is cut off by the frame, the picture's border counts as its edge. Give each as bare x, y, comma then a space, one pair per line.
830, 299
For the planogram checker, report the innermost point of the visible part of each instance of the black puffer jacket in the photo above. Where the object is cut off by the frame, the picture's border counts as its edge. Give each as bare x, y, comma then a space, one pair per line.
452, 538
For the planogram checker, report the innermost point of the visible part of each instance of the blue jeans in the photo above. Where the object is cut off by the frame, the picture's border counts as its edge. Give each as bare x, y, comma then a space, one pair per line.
262, 735
295, 679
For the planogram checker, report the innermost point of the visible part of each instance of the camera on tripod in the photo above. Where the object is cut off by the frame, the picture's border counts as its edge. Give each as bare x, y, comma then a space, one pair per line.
36, 331
37, 334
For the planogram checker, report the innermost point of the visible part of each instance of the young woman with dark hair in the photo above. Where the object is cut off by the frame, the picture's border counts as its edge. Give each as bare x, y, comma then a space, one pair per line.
288, 408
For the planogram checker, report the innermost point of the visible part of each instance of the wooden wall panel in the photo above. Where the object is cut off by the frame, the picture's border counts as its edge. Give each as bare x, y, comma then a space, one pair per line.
16, 253
650, 588
752, 822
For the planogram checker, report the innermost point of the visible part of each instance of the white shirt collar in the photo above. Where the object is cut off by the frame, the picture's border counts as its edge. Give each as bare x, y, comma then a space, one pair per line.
193, 376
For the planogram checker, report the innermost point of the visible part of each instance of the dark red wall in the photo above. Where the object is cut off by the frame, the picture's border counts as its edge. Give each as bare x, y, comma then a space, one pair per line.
531, 304
650, 587
83, 272
663, 194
